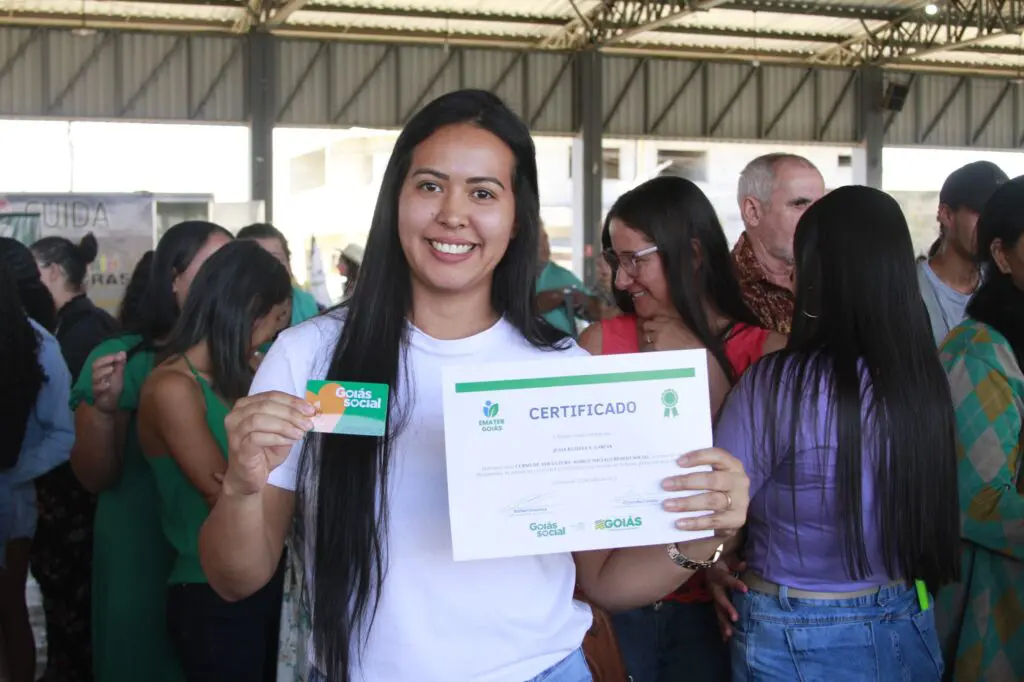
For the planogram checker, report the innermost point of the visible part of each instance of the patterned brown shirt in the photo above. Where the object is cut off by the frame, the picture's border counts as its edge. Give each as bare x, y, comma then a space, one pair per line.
772, 304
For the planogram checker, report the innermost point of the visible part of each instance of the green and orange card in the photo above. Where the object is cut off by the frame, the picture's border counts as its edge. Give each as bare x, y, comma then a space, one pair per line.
355, 408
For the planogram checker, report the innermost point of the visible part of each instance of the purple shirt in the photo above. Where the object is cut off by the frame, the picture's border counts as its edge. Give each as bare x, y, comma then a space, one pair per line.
774, 527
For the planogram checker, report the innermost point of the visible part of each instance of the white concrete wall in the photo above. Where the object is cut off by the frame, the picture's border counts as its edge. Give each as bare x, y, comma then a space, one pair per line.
341, 210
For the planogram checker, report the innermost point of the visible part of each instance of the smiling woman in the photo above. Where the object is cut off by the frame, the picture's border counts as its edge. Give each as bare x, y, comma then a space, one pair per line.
464, 214
451, 262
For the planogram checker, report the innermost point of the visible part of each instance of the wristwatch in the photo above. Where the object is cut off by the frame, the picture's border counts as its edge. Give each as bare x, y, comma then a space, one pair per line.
685, 562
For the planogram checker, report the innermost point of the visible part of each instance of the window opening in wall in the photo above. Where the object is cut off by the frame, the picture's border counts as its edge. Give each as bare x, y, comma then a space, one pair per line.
845, 161
308, 171
692, 165
611, 168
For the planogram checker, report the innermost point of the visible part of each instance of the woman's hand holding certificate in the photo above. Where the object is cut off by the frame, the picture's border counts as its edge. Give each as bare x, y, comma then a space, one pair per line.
723, 494
584, 453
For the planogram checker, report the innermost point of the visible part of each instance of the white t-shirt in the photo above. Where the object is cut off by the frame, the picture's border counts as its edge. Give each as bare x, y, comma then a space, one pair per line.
504, 620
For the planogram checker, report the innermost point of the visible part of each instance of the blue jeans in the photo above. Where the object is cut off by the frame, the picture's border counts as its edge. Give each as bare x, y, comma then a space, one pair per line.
572, 668
884, 637
672, 641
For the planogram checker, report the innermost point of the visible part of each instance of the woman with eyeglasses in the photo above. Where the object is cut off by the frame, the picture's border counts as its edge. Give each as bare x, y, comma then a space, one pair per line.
675, 283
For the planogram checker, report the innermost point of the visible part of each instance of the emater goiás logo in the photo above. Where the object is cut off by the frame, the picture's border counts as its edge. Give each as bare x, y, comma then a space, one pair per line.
491, 422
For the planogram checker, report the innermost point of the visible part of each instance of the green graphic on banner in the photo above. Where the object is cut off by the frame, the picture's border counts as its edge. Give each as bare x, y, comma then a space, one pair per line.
23, 227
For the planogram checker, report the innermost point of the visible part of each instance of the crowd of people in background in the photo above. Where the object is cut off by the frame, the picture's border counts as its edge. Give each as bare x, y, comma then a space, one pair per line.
159, 478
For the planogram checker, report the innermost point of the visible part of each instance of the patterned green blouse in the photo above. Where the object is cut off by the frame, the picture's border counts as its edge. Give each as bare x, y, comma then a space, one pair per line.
981, 619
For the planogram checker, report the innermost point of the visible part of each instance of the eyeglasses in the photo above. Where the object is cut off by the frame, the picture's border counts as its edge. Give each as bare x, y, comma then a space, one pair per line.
629, 262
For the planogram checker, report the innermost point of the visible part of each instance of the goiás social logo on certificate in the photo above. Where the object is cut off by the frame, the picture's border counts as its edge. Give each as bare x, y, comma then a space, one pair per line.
569, 454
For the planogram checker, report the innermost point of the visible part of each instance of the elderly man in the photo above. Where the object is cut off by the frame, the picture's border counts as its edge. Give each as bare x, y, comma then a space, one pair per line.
774, 191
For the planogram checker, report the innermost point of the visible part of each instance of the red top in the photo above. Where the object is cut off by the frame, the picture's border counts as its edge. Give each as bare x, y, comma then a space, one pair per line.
744, 347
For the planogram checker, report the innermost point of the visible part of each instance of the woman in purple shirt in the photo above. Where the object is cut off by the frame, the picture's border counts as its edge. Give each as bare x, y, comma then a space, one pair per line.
848, 438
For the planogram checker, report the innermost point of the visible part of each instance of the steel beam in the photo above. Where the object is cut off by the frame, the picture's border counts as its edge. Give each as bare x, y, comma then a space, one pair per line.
261, 95
990, 114
512, 64
957, 24
19, 52
324, 48
83, 68
218, 79
550, 92
434, 79
614, 21
588, 161
280, 15
374, 70
727, 109
942, 110
789, 102
836, 105
867, 157
148, 81
624, 91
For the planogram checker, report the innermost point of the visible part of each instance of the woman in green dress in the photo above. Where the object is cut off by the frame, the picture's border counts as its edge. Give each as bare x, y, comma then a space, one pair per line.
131, 558
240, 300
980, 618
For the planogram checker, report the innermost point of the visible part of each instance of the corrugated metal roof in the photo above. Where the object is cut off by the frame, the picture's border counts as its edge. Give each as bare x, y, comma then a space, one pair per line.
774, 30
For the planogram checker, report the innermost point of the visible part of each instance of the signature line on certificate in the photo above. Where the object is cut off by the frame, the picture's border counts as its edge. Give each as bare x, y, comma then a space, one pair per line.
575, 380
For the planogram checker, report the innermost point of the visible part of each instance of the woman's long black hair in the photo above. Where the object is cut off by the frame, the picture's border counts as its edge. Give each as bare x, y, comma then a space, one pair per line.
674, 213
234, 288
129, 311
342, 498
862, 345
158, 309
998, 303
36, 299
22, 375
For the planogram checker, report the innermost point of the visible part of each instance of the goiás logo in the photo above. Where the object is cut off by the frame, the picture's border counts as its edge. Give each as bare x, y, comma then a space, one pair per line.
491, 421
620, 523
547, 530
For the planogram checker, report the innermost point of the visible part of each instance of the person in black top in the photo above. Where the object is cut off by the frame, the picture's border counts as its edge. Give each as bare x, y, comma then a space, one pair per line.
61, 558
81, 325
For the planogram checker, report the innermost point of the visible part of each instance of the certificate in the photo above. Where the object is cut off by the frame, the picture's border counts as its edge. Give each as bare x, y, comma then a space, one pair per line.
569, 454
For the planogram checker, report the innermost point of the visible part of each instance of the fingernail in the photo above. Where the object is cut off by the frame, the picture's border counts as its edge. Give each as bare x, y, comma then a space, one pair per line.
684, 524
683, 461
670, 484
674, 505
308, 409
296, 434
308, 425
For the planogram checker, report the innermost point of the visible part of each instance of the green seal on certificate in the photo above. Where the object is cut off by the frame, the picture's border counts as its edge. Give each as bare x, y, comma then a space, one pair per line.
669, 398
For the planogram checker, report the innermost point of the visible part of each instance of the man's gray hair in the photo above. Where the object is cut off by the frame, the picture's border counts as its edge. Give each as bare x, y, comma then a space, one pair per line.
758, 178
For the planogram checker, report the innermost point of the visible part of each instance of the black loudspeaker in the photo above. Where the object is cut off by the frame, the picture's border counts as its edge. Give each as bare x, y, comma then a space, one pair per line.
895, 96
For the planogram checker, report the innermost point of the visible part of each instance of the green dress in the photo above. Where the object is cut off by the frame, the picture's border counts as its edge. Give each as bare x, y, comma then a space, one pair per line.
131, 558
980, 619
303, 306
555, 278
183, 509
